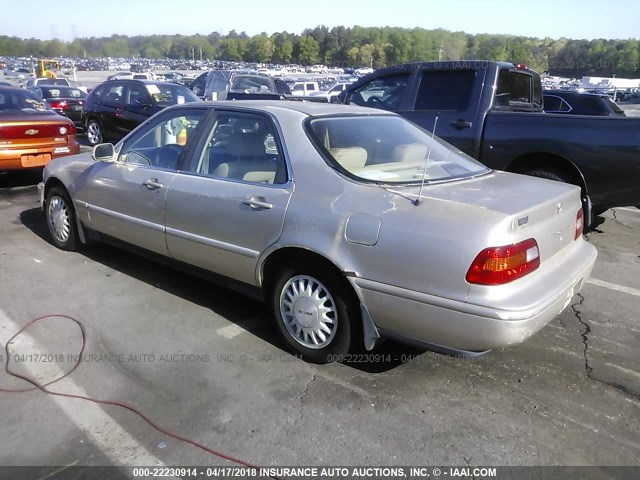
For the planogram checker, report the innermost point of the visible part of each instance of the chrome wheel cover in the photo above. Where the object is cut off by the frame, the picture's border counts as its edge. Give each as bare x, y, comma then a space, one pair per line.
59, 219
93, 133
308, 312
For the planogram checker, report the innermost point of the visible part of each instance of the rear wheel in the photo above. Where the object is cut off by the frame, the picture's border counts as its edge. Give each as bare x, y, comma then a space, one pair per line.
94, 132
314, 312
61, 221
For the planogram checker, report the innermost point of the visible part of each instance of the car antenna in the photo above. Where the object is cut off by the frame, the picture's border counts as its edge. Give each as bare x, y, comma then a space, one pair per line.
418, 200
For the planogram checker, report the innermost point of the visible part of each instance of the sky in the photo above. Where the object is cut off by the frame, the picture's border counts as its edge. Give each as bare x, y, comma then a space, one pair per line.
69, 19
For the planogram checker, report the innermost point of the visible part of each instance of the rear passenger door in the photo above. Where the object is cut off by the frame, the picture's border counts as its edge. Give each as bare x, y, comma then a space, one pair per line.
229, 204
137, 107
451, 96
111, 101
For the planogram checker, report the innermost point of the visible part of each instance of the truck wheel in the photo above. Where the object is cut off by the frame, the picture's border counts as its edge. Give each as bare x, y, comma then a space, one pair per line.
549, 174
94, 132
314, 313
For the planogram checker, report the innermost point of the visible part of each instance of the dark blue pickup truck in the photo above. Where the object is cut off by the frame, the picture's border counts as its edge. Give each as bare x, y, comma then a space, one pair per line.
493, 111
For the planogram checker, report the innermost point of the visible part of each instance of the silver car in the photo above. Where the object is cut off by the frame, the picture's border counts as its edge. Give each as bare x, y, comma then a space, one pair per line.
352, 223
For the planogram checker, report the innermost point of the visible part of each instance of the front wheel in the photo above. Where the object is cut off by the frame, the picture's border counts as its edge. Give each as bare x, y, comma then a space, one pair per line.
94, 132
314, 313
61, 221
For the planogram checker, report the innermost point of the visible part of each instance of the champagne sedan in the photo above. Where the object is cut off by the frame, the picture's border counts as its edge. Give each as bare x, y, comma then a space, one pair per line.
351, 223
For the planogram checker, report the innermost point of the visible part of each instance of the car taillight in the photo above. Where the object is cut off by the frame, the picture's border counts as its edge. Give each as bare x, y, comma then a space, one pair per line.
500, 265
579, 224
60, 105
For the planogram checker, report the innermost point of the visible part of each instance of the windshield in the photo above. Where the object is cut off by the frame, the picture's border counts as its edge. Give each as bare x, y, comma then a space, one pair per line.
17, 102
389, 149
170, 94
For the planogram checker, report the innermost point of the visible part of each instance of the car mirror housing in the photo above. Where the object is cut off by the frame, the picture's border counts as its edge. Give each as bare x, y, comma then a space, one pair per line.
103, 152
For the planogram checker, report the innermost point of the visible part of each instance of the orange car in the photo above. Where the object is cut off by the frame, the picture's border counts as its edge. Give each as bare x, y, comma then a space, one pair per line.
31, 134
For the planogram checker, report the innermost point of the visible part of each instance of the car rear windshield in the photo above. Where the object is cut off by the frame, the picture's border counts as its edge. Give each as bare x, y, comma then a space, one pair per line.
62, 92
14, 102
389, 149
252, 84
171, 94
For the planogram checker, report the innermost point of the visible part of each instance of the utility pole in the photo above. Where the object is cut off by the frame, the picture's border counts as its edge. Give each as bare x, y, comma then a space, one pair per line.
193, 54
200, 47
440, 50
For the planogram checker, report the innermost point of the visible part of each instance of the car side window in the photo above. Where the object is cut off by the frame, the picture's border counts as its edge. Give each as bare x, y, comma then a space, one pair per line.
114, 93
445, 90
385, 93
242, 146
162, 143
552, 103
138, 95
516, 89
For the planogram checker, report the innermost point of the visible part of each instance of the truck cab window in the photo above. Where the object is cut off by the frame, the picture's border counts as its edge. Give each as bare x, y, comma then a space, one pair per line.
385, 93
515, 89
445, 91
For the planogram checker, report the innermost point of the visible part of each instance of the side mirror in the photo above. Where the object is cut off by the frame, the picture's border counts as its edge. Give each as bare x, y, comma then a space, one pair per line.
103, 152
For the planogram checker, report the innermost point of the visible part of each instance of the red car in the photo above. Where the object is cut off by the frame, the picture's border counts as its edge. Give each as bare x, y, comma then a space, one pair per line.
31, 134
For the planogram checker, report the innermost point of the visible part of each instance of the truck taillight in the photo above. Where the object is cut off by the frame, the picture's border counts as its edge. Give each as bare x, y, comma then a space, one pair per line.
500, 265
579, 224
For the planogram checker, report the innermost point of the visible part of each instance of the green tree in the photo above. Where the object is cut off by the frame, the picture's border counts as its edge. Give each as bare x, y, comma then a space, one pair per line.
308, 50
260, 49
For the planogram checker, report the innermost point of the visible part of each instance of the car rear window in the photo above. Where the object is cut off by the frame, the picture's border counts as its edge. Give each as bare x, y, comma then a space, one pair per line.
389, 149
19, 102
63, 93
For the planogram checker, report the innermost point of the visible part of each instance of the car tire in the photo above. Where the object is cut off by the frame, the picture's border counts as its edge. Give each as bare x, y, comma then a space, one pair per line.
61, 219
549, 174
94, 132
297, 298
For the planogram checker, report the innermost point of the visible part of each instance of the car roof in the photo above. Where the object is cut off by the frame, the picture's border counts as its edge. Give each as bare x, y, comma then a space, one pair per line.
306, 108
139, 80
12, 88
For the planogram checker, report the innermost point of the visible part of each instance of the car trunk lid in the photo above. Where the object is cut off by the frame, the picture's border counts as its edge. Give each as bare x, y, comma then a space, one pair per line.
527, 207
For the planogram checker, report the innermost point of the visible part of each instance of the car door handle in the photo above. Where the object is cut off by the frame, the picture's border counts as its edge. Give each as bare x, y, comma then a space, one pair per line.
258, 203
152, 184
461, 124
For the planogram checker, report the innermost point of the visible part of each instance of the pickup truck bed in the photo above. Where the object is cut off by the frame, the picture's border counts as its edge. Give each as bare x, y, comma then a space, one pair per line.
493, 111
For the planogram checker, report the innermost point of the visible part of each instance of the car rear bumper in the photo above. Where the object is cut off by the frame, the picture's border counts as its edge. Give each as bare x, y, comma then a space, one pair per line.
19, 159
462, 326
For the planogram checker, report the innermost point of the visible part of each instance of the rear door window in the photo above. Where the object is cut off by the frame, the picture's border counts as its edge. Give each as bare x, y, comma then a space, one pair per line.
441, 90
516, 89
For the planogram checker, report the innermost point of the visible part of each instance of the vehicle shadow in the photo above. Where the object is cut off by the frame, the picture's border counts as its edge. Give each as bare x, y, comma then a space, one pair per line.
235, 307
20, 178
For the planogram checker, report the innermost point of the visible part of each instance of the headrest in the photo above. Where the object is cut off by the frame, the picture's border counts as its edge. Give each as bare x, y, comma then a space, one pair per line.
246, 145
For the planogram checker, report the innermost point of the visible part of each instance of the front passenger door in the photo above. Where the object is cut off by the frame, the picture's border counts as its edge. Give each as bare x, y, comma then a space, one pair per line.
126, 198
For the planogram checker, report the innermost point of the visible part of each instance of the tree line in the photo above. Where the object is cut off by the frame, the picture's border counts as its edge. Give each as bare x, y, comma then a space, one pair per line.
354, 47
